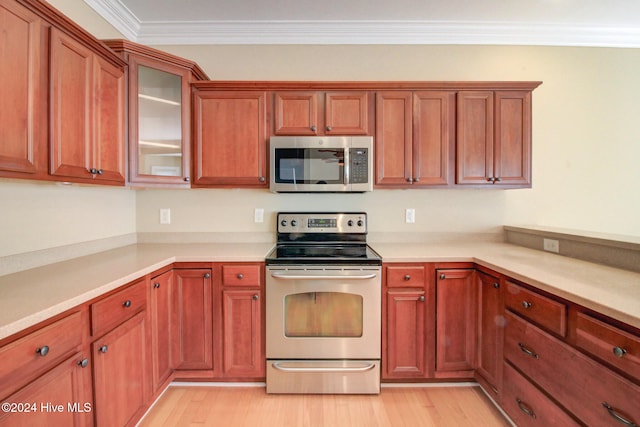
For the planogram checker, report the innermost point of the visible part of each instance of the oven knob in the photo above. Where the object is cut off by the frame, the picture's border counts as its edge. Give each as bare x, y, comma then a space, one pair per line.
283, 223
350, 223
360, 223
294, 222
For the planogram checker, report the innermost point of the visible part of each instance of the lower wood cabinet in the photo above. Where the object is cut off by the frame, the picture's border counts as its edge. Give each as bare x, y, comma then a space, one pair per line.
121, 373
160, 288
490, 331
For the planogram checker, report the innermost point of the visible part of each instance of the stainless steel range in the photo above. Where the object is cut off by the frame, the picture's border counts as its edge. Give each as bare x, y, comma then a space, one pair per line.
323, 292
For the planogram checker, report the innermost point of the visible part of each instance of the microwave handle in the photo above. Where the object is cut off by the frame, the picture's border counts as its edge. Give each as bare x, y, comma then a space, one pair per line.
347, 165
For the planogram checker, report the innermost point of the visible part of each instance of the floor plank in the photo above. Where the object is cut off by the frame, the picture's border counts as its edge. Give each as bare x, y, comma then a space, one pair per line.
393, 407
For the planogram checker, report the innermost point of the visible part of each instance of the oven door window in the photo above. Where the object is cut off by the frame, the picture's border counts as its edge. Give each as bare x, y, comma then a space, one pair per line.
323, 314
309, 165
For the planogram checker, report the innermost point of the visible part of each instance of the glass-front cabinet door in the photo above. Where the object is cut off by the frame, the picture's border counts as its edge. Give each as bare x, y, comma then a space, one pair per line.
159, 123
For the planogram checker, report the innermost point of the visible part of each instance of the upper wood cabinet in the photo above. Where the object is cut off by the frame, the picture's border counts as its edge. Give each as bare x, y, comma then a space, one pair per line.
86, 114
230, 131
23, 84
159, 119
494, 138
414, 138
322, 113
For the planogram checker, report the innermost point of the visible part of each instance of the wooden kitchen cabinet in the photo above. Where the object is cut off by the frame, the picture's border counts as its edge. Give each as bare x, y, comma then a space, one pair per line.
159, 119
456, 320
230, 131
191, 319
490, 332
408, 329
160, 292
494, 138
23, 104
86, 114
322, 113
242, 320
415, 138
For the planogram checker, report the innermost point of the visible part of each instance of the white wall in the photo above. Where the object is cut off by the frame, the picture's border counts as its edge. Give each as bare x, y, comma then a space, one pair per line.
586, 146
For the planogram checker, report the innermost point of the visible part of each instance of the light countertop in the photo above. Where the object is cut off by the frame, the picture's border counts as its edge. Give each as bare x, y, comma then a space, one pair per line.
31, 296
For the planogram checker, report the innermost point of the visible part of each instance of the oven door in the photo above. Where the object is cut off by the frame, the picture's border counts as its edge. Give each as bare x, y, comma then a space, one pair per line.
323, 312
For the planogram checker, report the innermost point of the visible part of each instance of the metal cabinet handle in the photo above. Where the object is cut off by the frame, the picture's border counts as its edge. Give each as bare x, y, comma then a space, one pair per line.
416, 179
207, 275
255, 297
313, 128
496, 285
93, 171
617, 416
240, 276
442, 277
422, 298
409, 179
526, 304
619, 351
100, 171
43, 351
126, 304
156, 285
329, 128
262, 179
525, 408
498, 179
407, 277
103, 349
491, 179
83, 363
527, 351
187, 179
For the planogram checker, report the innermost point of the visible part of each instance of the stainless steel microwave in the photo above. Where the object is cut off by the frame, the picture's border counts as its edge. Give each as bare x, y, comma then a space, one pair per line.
313, 164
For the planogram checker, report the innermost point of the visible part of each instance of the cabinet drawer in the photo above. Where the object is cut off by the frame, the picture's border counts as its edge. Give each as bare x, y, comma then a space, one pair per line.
593, 393
528, 406
115, 309
30, 356
608, 343
547, 313
405, 276
241, 275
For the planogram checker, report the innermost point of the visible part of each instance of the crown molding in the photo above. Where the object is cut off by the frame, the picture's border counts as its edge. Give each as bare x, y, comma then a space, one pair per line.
360, 32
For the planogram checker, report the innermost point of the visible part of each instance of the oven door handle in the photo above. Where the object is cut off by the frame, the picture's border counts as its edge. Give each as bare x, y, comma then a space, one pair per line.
295, 276
364, 368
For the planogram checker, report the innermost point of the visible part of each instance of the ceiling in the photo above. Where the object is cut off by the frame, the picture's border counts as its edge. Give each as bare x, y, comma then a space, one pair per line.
610, 23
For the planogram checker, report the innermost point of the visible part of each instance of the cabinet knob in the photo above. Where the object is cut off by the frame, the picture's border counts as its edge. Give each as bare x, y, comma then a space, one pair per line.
498, 179
407, 278
409, 179
156, 285
496, 285
619, 352
207, 275
442, 277
526, 304
83, 363
255, 297
43, 351
422, 298
262, 179
313, 128
100, 171
126, 304
103, 349
416, 179
187, 179
329, 128
93, 171
240, 276
491, 179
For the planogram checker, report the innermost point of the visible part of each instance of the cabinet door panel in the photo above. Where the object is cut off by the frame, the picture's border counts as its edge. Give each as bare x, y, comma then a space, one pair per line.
475, 137
490, 329
456, 337
296, 113
109, 121
393, 138
230, 129
347, 113
160, 307
23, 85
433, 137
120, 372
512, 154
70, 109
242, 333
191, 319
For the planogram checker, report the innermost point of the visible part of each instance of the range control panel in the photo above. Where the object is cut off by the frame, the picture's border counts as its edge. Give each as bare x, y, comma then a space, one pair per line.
351, 222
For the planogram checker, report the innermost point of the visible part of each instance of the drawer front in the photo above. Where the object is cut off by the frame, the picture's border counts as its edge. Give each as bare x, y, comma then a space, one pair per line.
115, 309
241, 275
610, 344
405, 276
528, 406
547, 313
593, 393
30, 356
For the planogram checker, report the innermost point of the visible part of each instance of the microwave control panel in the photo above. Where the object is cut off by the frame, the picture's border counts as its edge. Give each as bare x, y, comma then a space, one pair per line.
359, 165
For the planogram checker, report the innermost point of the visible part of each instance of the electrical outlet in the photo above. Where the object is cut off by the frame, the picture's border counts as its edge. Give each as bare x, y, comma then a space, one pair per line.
258, 215
165, 216
410, 216
551, 245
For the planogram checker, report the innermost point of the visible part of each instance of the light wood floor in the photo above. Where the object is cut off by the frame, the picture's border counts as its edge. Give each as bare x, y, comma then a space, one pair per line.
252, 407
